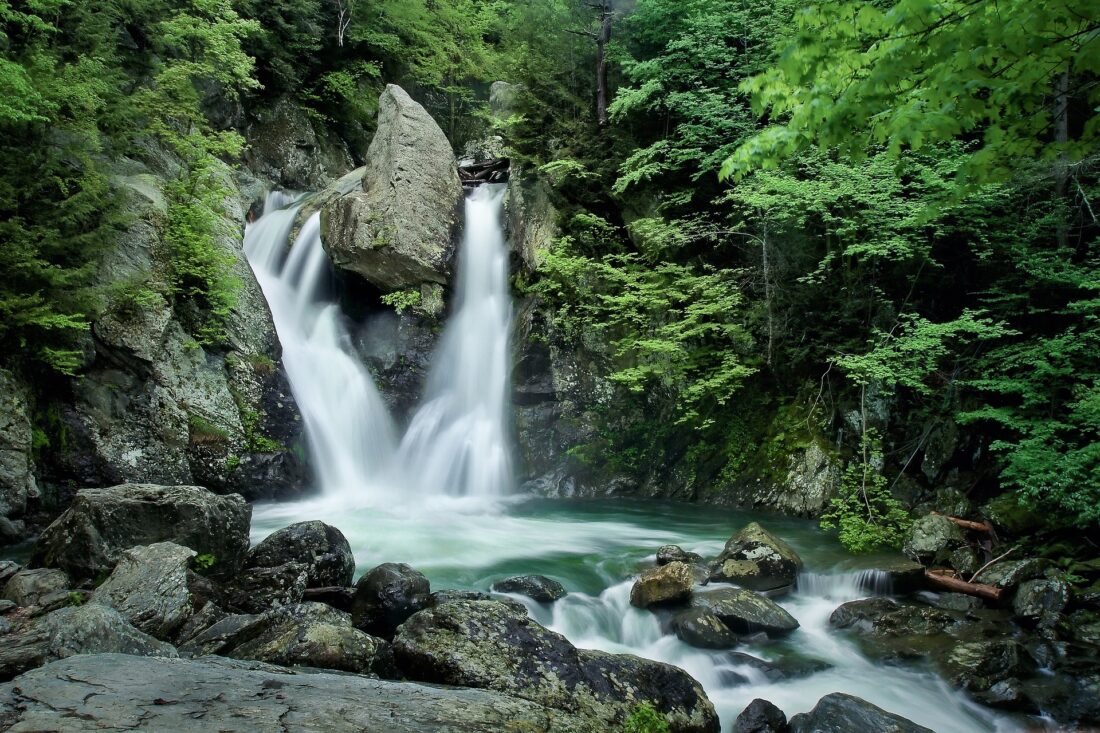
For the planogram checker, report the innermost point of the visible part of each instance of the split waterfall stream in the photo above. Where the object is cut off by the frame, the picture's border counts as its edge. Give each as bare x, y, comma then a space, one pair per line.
440, 497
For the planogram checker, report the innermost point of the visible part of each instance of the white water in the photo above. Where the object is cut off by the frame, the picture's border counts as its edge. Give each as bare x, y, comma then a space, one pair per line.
426, 493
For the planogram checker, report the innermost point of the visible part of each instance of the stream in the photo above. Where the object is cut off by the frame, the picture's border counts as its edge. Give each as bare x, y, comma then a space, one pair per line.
440, 497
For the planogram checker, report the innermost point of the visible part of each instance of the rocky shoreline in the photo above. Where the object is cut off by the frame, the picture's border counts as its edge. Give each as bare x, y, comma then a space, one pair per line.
243, 638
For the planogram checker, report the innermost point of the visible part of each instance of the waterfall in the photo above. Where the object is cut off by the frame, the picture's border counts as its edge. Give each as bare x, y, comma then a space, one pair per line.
456, 443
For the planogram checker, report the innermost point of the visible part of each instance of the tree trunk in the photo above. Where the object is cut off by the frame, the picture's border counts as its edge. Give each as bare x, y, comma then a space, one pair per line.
956, 585
602, 39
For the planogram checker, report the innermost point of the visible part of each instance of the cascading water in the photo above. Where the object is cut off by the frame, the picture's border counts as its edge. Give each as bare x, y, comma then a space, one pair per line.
351, 435
456, 443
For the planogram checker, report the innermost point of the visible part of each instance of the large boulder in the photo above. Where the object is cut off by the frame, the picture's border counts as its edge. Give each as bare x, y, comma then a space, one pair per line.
397, 227
754, 558
932, 538
490, 645
149, 587
745, 612
536, 587
1012, 573
116, 692
322, 548
840, 713
91, 535
256, 590
386, 596
1040, 600
662, 585
88, 629
17, 483
760, 717
981, 664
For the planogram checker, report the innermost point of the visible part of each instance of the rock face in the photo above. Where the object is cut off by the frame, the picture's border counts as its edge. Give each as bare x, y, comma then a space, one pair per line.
286, 147
17, 482
536, 587
88, 629
662, 584
754, 558
321, 547
745, 612
114, 692
397, 229
489, 645
839, 713
91, 535
386, 596
149, 588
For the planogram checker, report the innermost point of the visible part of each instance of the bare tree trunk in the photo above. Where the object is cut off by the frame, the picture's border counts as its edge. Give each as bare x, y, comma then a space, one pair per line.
1061, 136
603, 38
344, 10
768, 295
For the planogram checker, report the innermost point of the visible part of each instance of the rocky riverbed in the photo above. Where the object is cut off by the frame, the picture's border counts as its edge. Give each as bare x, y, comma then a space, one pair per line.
283, 631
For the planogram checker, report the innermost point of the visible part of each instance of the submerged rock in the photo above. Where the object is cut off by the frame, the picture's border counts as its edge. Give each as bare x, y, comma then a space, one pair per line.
840, 713
492, 646
396, 228
536, 587
149, 587
760, 717
674, 553
662, 584
386, 596
88, 629
91, 535
115, 692
754, 558
980, 665
745, 612
322, 548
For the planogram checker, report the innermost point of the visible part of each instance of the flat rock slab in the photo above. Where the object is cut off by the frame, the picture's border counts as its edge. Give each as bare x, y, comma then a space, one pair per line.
214, 695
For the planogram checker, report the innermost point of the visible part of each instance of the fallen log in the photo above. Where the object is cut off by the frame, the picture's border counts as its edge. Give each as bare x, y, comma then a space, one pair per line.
968, 524
943, 580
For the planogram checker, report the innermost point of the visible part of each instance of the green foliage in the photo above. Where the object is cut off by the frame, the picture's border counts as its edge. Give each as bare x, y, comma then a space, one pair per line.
75, 599
867, 516
202, 431
203, 562
906, 73
402, 300
644, 718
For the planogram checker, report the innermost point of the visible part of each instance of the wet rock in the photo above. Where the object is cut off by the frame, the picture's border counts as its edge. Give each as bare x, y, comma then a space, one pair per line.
979, 665
198, 622
672, 553
260, 589
386, 596
760, 717
27, 587
17, 482
700, 628
536, 587
88, 629
110, 692
784, 669
322, 548
898, 576
955, 602
662, 584
965, 560
1011, 573
149, 587
1039, 600
754, 558
745, 612
840, 713
932, 537
396, 228
337, 596
491, 646
90, 536
813, 474
8, 568
304, 634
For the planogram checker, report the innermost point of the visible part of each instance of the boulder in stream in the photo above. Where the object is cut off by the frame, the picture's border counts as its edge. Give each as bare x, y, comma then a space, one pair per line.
396, 226
754, 558
90, 536
386, 596
745, 612
536, 587
701, 628
840, 713
760, 717
932, 538
492, 646
321, 547
662, 585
